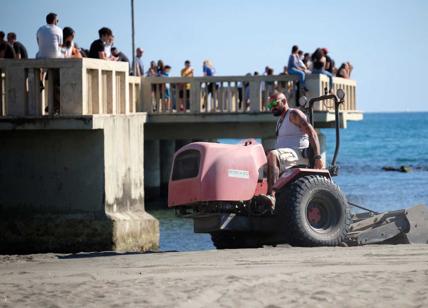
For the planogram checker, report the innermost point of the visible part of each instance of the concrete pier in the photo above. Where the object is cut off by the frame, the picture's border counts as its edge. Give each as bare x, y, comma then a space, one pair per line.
76, 166
74, 184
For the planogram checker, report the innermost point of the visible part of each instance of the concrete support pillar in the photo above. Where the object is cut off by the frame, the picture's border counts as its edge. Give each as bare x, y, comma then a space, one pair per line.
151, 170
80, 188
167, 150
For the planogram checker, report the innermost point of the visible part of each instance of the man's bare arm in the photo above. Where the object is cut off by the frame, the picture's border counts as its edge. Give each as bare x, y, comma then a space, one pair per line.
102, 55
298, 118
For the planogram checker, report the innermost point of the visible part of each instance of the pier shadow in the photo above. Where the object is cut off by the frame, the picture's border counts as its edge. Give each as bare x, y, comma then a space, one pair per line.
82, 255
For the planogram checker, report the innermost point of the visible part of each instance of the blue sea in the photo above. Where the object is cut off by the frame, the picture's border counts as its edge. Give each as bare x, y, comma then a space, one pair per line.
381, 139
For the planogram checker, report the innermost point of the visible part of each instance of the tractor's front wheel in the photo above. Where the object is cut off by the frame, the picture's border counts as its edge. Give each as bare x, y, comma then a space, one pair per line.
315, 211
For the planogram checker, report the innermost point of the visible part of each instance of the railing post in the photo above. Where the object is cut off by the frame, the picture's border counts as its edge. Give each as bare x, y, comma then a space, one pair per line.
73, 90
50, 85
139, 93
314, 85
220, 97
2, 100
146, 94
100, 93
84, 84
195, 97
139, 99
122, 82
34, 95
354, 97
16, 91
131, 93
113, 85
255, 96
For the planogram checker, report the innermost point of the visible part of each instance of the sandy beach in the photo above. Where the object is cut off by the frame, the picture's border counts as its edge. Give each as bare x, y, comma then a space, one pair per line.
373, 276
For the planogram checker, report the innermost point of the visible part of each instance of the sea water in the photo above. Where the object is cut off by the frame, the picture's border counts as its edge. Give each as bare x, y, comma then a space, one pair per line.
381, 139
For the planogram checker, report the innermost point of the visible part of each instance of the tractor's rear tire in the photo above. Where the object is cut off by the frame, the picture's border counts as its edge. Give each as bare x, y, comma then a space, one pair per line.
234, 240
316, 212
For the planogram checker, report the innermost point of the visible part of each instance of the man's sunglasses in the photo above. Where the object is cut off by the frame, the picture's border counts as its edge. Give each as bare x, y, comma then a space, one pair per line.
273, 103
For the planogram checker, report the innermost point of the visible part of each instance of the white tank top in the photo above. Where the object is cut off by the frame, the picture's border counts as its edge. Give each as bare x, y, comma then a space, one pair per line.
289, 135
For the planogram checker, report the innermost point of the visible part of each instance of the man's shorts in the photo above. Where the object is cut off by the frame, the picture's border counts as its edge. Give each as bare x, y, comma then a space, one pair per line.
290, 158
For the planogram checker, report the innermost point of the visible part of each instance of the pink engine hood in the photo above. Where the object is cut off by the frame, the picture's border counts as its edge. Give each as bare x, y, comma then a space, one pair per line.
226, 173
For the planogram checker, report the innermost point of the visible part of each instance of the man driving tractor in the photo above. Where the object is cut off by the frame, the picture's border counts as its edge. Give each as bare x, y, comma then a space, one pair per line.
294, 137
219, 186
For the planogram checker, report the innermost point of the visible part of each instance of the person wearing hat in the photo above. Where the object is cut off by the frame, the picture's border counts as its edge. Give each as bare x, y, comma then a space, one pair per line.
294, 136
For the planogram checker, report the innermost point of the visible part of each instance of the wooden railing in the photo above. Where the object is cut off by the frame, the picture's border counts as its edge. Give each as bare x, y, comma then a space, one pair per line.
90, 86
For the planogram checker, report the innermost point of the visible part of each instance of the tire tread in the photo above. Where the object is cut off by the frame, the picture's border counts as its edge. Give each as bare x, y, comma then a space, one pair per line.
291, 197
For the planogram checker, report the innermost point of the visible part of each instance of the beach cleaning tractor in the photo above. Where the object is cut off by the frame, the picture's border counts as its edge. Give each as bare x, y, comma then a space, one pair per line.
222, 187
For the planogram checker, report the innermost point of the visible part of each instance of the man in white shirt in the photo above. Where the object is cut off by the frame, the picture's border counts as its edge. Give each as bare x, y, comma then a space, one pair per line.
49, 39
139, 67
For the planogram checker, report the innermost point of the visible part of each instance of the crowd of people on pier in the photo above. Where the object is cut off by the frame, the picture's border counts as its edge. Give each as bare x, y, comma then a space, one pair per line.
54, 42
319, 62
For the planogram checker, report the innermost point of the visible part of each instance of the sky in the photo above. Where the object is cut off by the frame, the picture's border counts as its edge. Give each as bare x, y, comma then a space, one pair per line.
385, 40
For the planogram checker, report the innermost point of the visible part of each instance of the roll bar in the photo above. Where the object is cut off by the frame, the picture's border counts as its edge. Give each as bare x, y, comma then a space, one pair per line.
338, 99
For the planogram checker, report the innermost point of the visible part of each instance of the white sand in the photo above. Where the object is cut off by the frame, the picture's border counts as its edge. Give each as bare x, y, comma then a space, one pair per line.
371, 276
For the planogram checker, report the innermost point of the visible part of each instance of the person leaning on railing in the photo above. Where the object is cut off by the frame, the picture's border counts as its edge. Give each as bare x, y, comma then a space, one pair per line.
184, 93
6, 51
160, 91
319, 62
138, 70
153, 69
97, 49
120, 56
153, 72
345, 70
208, 70
69, 47
18, 47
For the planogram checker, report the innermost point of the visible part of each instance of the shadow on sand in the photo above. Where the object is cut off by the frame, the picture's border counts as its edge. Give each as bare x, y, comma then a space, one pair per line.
82, 255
